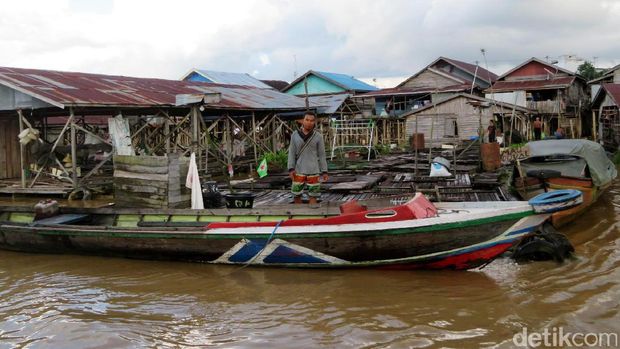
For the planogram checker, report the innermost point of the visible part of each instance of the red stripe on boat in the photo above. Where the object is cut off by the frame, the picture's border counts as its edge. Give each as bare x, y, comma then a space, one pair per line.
416, 208
462, 261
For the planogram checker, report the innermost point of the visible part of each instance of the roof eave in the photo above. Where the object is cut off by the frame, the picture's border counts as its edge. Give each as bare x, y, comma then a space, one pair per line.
30, 93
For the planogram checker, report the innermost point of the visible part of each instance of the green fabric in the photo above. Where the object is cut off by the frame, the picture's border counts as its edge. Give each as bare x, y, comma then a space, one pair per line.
262, 168
314, 189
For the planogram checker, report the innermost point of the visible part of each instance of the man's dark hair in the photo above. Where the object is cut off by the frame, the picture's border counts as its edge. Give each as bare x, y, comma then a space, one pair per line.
310, 113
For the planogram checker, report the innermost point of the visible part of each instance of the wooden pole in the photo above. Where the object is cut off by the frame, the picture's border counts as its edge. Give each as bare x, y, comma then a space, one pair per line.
167, 134
416, 145
274, 142
73, 150
194, 129
254, 139
306, 90
21, 149
228, 143
430, 148
594, 125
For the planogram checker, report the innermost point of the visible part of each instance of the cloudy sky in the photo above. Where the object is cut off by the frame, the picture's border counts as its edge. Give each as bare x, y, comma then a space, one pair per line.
276, 39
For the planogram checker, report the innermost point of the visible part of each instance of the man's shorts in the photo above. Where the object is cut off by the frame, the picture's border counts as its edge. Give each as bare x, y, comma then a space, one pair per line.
314, 185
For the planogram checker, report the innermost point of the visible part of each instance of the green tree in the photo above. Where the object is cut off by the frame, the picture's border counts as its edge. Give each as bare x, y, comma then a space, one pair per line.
588, 71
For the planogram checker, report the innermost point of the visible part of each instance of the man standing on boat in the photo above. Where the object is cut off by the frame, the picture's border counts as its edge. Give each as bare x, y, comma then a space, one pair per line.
306, 160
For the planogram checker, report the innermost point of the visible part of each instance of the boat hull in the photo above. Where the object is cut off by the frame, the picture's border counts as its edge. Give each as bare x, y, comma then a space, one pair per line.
533, 187
445, 243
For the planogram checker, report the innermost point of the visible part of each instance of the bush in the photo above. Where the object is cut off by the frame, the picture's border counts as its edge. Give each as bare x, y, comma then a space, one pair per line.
278, 159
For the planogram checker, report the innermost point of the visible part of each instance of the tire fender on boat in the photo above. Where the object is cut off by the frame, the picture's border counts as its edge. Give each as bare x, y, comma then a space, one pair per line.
556, 200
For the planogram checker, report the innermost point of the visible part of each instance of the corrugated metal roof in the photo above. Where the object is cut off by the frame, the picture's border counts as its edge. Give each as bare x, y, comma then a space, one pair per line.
471, 68
501, 86
277, 84
613, 90
344, 81
220, 77
396, 91
91, 90
347, 81
328, 104
508, 106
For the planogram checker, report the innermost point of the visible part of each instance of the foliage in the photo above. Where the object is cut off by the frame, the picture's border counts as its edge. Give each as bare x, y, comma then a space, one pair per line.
588, 71
516, 145
616, 158
382, 149
278, 159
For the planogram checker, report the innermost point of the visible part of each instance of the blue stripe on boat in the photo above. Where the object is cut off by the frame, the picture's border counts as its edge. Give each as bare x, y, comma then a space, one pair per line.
521, 231
247, 252
285, 254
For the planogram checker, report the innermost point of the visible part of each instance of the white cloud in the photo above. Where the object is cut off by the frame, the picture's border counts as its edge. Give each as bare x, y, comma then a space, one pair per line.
365, 38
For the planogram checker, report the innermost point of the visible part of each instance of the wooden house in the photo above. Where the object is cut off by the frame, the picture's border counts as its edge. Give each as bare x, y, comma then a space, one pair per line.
153, 117
10, 166
605, 110
556, 95
461, 117
609, 76
441, 79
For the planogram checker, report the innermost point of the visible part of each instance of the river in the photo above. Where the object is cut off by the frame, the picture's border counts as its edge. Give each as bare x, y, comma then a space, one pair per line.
59, 301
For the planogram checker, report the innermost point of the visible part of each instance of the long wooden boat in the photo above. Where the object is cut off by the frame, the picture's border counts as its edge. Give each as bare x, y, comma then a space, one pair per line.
414, 235
564, 164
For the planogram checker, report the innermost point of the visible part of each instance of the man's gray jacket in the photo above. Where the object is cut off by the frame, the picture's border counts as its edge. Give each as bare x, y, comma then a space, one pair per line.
312, 160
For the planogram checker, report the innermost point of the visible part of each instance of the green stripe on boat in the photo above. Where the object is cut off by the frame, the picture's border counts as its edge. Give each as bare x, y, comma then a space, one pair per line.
207, 235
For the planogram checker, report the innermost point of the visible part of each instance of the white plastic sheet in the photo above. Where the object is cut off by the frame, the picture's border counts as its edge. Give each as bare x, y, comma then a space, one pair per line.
193, 182
120, 135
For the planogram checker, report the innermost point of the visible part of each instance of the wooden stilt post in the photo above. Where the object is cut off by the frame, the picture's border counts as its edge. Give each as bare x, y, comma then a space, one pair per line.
416, 145
228, 143
274, 142
254, 138
73, 150
194, 129
594, 138
167, 134
21, 149
430, 147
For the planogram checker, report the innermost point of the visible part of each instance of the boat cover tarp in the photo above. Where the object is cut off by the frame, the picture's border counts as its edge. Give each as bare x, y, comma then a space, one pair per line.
601, 168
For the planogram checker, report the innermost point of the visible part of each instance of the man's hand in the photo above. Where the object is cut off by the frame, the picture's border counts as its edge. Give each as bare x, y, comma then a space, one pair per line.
325, 177
292, 174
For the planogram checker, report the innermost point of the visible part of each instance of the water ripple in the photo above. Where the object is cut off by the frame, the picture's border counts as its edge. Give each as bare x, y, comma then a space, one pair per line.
91, 302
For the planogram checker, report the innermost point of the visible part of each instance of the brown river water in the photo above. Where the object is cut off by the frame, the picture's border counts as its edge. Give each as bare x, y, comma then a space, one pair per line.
58, 301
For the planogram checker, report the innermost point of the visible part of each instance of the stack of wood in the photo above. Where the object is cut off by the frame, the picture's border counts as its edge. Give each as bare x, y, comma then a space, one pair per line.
151, 181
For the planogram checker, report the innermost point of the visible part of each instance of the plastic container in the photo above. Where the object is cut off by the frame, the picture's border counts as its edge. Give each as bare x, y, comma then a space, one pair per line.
239, 200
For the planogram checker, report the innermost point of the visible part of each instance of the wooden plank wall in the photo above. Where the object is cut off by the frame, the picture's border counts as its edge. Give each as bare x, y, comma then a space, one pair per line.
9, 148
467, 118
150, 181
428, 79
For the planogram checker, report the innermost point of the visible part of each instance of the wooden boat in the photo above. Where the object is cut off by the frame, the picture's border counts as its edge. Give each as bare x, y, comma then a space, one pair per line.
413, 235
564, 164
